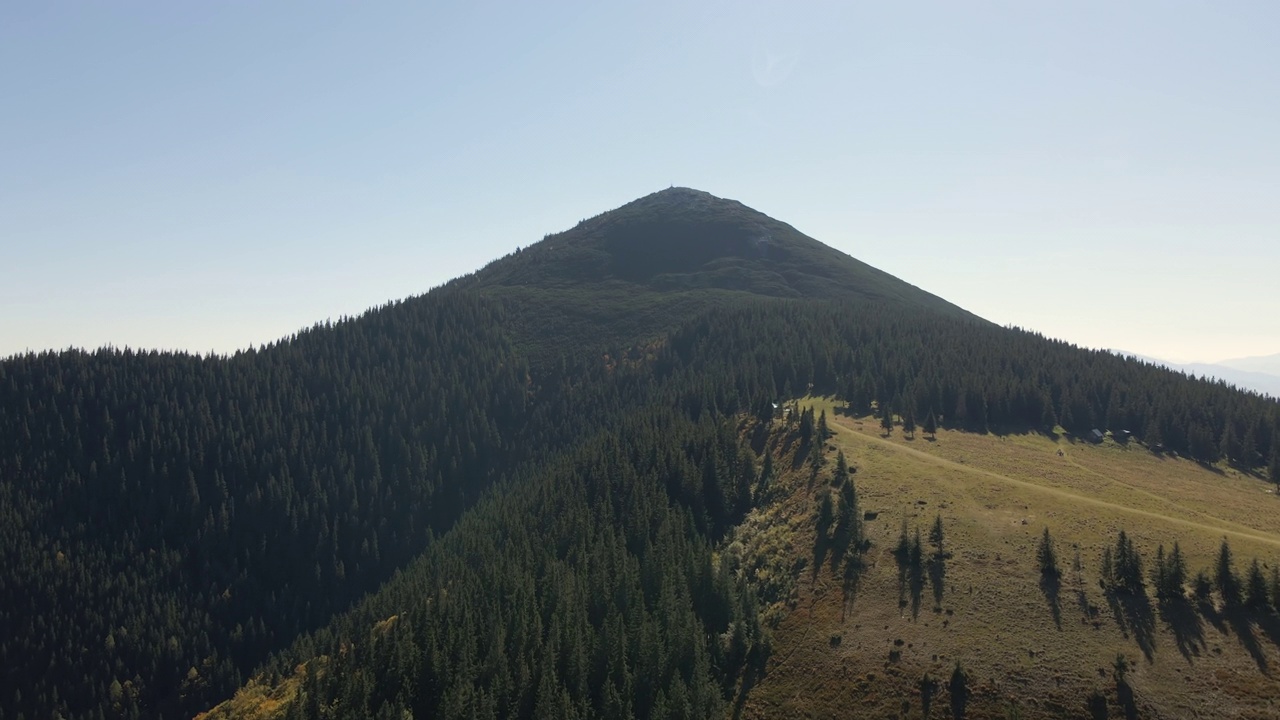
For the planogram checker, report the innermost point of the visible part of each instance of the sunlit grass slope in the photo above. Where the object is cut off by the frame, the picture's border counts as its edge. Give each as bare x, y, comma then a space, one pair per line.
863, 651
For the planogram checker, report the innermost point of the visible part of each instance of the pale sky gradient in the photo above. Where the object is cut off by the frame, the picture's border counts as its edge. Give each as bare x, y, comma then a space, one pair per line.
215, 175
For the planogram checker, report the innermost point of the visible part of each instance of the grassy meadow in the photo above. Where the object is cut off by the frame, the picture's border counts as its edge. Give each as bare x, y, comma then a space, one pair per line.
1031, 650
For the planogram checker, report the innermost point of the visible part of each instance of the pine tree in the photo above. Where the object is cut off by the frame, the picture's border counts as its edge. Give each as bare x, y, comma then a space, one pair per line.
1273, 467
1225, 577
931, 425
1175, 573
1046, 557
936, 535
1128, 565
909, 423
886, 419
824, 432
1160, 572
1108, 570
1229, 445
806, 425
849, 524
1256, 588
841, 474
1202, 586
765, 481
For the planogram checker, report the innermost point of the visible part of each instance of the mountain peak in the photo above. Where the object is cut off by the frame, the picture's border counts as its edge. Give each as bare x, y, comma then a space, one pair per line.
683, 197
681, 238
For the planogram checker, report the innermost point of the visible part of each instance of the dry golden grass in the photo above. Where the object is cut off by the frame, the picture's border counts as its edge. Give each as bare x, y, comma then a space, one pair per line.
259, 700
862, 654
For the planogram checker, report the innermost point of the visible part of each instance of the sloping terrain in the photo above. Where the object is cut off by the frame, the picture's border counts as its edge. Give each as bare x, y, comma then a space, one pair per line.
865, 649
172, 524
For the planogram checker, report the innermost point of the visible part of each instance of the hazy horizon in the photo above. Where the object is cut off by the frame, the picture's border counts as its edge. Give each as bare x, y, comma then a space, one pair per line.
218, 177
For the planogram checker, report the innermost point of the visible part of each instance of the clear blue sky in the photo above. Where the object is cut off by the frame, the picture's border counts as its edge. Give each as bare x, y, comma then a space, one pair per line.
209, 176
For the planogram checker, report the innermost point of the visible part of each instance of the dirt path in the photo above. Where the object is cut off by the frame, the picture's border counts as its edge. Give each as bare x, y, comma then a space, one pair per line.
1057, 492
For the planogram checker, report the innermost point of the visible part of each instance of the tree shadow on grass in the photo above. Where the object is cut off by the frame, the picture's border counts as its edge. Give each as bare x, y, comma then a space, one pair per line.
1211, 615
1124, 694
902, 585
752, 674
1088, 610
1238, 619
1270, 626
938, 578
1096, 704
910, 581
1181, 619
1051, 586
822, 543
819, 555
851, 582
916, 581
1136, 618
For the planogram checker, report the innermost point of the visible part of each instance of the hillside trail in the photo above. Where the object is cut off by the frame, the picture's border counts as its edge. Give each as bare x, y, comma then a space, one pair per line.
1057, 492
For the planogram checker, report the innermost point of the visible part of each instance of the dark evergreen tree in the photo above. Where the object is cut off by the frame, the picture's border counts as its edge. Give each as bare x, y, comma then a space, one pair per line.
1175, 574
764, 483
1128, 575
936, 536
1160, 573
931, 425
1256, 596
1225, 579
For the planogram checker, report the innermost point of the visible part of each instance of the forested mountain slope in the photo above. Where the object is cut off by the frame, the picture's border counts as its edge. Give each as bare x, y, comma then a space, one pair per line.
170, 521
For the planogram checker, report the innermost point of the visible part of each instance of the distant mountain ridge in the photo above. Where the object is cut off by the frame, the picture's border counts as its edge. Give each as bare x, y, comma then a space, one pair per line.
1267, 364
1260, 382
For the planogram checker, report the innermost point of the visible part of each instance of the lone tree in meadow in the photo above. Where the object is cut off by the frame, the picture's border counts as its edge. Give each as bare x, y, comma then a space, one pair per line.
842, 473
909, 424
936, 535
886, 419
1225, 577
1046, 557
1273, 467
930, 425
848, 520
